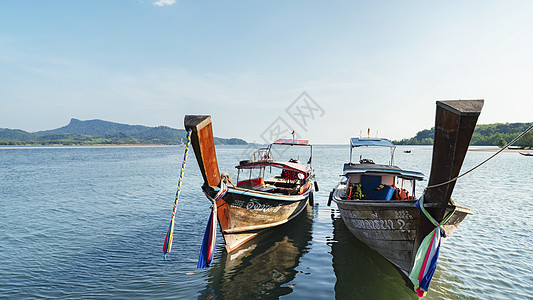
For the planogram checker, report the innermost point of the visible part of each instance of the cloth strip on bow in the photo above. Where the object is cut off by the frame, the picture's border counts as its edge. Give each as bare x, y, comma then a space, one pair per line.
208, 245
428, 252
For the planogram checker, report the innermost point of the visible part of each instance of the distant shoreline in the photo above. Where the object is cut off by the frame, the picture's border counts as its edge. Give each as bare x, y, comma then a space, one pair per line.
506, 150
83, 146
103, 146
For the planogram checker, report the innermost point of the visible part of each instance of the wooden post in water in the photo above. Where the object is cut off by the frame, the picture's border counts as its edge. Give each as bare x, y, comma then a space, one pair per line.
455, 122
204, 147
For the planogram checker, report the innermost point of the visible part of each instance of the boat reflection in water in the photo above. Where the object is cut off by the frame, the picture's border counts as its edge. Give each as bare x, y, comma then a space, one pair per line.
361, 272
261, 268
364, 274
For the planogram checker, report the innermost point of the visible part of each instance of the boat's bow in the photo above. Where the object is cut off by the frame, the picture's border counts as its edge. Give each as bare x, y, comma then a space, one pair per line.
204, 147
454, 125
455, 122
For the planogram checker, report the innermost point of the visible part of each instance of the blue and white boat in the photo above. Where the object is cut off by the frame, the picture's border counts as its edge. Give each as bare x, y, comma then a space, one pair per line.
377, 201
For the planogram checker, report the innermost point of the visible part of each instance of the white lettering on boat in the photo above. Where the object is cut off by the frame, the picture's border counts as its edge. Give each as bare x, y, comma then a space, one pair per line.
402, 224
399, 223
373, 224
254, 204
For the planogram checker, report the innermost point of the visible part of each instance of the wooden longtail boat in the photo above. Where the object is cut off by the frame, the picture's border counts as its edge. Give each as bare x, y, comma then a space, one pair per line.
254, 204
526, 153
381, 212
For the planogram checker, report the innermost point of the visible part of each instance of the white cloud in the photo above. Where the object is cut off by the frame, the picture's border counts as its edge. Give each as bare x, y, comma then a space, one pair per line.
164, 2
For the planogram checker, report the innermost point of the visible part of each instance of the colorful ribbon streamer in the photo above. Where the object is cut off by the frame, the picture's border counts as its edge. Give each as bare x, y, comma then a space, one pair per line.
208, 245
168, 239
428, 252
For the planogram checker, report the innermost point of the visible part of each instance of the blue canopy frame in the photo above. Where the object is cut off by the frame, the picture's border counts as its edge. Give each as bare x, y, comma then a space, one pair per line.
380, 142
372, 142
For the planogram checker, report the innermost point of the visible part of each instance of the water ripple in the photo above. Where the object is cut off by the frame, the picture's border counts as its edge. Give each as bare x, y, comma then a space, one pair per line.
90, 223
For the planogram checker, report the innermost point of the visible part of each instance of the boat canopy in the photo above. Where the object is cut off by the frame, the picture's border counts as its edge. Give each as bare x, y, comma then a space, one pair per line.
380, 142
285, 165
375, 142
382, 170
291, 142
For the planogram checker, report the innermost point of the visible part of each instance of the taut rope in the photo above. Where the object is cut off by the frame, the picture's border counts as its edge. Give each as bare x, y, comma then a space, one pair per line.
483, 162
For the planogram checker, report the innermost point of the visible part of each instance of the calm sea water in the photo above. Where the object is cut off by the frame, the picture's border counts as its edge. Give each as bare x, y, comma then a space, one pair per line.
90, 223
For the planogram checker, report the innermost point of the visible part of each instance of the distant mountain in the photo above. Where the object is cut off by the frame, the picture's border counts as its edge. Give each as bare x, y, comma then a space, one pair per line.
96, 128
497, 134
103, 132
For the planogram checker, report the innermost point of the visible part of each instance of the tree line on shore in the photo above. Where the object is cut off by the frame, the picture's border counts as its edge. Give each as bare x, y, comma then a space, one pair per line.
497, 134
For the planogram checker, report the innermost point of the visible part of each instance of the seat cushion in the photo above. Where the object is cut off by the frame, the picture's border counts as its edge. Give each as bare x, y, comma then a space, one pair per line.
370, 187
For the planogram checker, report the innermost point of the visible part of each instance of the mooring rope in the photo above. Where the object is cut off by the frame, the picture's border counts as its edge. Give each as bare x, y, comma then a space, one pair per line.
168, 239
483, 162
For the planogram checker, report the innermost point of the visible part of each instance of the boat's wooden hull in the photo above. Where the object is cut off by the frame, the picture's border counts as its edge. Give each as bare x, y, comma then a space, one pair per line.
243, 214
260, 269
390, 227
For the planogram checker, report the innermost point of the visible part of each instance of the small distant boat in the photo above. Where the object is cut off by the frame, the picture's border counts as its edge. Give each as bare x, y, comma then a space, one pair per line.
377, 202
256, 202
526, 153
407, 151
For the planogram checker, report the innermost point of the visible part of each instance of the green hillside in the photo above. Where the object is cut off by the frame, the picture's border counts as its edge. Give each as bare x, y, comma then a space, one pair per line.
497, 134
102, 132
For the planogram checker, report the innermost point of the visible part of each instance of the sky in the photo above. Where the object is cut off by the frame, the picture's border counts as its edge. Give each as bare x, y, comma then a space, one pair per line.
326, 69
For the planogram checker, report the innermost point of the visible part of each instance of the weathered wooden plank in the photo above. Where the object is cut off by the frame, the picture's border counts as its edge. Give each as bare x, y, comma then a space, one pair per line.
455, 122
204, 147
395, 246
253, 213
379, 234
390, 212
235, 240
391, 231
247, 217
